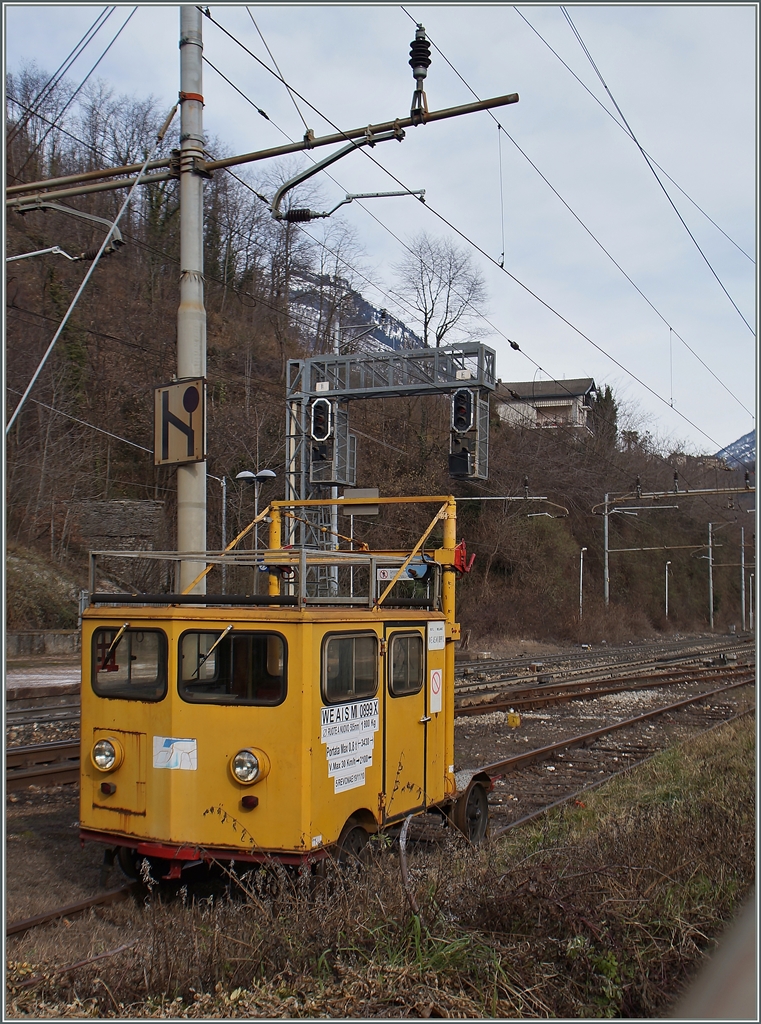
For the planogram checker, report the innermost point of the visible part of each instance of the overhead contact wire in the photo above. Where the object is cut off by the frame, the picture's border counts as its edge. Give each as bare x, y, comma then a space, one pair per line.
478, 248
624, 130
653, 170
591, 235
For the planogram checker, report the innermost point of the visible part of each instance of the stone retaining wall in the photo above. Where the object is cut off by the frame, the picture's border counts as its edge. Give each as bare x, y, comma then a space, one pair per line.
42, 641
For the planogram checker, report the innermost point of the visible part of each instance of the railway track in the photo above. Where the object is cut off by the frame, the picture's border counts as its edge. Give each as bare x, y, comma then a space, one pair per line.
42, 764
529, 696
42, 704
522, 774
528, 783
588, 659
574, 795
482, 677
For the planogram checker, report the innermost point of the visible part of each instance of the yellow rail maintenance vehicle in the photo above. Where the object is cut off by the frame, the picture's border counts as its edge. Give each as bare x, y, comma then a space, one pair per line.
289, 725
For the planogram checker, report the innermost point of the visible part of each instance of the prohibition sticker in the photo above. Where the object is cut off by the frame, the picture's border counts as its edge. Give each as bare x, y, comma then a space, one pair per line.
435, 701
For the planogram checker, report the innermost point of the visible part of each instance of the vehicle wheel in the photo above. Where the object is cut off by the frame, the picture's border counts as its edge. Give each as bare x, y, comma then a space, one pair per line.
470, 813
352, 847
127, 861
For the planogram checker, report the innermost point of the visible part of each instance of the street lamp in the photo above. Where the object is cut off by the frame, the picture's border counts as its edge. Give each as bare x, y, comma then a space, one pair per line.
257, 479
667, 588
581, 583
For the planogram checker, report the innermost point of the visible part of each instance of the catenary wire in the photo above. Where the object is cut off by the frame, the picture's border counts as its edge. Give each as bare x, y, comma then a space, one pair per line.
501, 128
544, 371
277, 67
75, 93
57, 75
623, 129
514, 345
653, 170
487, 256
84, 423
478, 248
57, 127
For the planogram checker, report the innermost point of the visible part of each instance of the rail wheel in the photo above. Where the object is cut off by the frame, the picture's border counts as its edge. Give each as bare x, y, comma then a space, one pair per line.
127, 861
470, 813
352, 846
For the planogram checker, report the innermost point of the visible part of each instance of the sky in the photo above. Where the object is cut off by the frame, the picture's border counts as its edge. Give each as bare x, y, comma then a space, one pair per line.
679, 357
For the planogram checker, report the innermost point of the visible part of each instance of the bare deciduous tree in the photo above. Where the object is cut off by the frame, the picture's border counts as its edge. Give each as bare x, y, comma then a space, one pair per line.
442, 287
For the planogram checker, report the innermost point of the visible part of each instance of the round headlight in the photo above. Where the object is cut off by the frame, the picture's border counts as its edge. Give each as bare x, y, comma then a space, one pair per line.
104, 755
246, 766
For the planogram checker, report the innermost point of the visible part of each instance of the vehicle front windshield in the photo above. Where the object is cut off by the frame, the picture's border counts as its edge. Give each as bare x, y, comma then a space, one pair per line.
232, 667
129, 664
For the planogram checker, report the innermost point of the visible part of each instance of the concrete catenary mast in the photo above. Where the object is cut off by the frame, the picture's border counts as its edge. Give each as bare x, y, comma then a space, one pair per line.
191, 315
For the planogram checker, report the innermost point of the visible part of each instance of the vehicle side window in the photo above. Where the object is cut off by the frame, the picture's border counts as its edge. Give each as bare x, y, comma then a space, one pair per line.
129, 664
406, 675
349, 667
232, 668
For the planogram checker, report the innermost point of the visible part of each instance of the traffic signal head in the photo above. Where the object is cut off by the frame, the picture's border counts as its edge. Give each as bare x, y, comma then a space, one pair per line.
462, 411
460, 463
321, 419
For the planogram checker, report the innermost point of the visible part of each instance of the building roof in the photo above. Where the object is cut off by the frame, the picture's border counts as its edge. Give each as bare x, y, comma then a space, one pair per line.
526, 391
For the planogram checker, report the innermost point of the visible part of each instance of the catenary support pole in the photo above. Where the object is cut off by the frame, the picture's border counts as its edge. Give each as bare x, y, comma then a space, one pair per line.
191, 315
742, 576
710, 574
605, 571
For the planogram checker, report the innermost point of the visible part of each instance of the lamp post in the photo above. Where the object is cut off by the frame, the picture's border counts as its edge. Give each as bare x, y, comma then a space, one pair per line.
222, 480
581, 583
257, 479
667, 588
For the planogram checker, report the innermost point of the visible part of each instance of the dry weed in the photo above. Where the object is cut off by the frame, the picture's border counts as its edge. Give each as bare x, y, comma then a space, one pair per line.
599, 911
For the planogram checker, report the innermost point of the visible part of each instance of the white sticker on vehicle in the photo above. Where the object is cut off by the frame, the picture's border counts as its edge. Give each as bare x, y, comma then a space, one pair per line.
169, 752
434, 701
436, 636
348, 732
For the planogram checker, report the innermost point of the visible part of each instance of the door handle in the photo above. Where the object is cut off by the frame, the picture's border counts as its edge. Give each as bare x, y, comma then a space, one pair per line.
424, 719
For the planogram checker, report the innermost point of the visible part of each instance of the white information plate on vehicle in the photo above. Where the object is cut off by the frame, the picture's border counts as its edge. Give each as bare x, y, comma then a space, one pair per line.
436, 636
348, 732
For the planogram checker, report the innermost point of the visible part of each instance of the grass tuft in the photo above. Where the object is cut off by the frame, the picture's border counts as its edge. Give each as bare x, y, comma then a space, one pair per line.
600, 911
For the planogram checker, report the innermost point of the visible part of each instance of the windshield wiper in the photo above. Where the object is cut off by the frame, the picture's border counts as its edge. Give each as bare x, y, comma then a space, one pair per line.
114, 642
216, 644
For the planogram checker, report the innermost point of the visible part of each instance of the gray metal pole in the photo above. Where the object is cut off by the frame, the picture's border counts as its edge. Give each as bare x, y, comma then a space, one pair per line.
606, 573
667, 588
710, 572
581, 583
751, 601
191, 315
742, 575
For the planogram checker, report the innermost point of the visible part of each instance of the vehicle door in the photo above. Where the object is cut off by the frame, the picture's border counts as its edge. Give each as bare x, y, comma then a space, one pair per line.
405, 719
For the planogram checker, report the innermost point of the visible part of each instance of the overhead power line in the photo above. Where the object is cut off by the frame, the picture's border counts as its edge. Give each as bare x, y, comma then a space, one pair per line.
479, 249
624, 130
76, 92
653, 170
57, 75
591, 234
